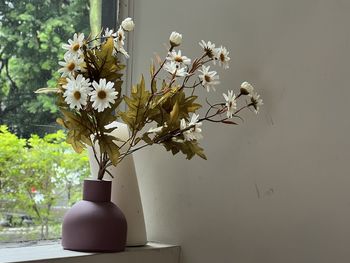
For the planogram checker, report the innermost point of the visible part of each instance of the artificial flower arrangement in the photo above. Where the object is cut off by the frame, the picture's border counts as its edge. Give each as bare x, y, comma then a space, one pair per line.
89, 95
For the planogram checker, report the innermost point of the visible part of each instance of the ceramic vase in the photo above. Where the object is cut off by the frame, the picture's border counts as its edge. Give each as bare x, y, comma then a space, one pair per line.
95, 224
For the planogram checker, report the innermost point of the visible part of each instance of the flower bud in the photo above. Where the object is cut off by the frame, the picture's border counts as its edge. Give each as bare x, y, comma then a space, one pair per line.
246, 88
175, 39
128, 24
256, 101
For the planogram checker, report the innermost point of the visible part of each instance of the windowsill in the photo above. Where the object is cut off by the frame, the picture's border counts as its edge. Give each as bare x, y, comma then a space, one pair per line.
152, 252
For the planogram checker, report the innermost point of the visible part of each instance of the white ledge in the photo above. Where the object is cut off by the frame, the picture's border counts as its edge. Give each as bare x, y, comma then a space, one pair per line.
151, 253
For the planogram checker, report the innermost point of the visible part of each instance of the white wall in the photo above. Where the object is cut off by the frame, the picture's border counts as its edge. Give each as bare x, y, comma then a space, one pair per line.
276, 188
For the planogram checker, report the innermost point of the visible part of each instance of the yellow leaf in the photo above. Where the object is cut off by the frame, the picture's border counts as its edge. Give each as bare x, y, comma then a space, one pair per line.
147, 139
134, 116
152, 68
110, 148
61, 122
46, 90
76, 144
174, 114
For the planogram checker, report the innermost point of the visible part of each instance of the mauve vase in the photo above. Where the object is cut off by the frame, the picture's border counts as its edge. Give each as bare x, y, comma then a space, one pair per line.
94, 224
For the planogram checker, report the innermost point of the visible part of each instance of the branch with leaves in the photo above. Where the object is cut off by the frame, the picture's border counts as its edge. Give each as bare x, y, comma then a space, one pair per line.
89, 95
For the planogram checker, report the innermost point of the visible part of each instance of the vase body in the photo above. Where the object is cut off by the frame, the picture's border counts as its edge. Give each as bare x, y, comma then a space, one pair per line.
125, 189
95, 224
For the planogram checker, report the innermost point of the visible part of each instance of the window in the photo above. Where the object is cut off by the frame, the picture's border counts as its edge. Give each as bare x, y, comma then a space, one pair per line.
40, 176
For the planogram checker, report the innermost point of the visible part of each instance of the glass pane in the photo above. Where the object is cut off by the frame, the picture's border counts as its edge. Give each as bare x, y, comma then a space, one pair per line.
40, 175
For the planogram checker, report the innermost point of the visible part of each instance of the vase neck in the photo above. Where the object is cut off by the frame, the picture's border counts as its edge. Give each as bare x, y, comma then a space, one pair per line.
97, 190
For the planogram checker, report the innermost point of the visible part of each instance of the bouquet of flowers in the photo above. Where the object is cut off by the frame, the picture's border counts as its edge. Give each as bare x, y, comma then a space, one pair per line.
163, 111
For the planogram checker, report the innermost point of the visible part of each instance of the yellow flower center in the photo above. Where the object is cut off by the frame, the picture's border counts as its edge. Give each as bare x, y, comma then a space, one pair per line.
71, 66
77, 95
178, 59
207, 78
209, 52
222, 57
102, 94
76, 47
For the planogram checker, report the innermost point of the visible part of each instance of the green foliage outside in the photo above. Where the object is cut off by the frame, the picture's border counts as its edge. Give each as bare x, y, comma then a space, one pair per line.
31, 35
40, 175
39, 179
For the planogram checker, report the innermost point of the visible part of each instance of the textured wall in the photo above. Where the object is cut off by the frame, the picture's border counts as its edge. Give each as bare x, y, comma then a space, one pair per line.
276, 188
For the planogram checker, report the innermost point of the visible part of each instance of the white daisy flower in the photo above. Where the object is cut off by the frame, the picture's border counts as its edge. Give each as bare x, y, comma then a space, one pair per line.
183, 124
209, 78
119, 40
103, 95
128, 24
208, 47
74, 45
77, 91
178, 58
109, 33
246, 88
221, 55
256, 101
174, 69
178, 140
194, 133
123, 51
175, 39
70, 64
157, 129
230, 103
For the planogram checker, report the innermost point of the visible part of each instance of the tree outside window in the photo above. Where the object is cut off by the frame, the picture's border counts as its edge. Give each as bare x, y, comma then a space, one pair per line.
40, 176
